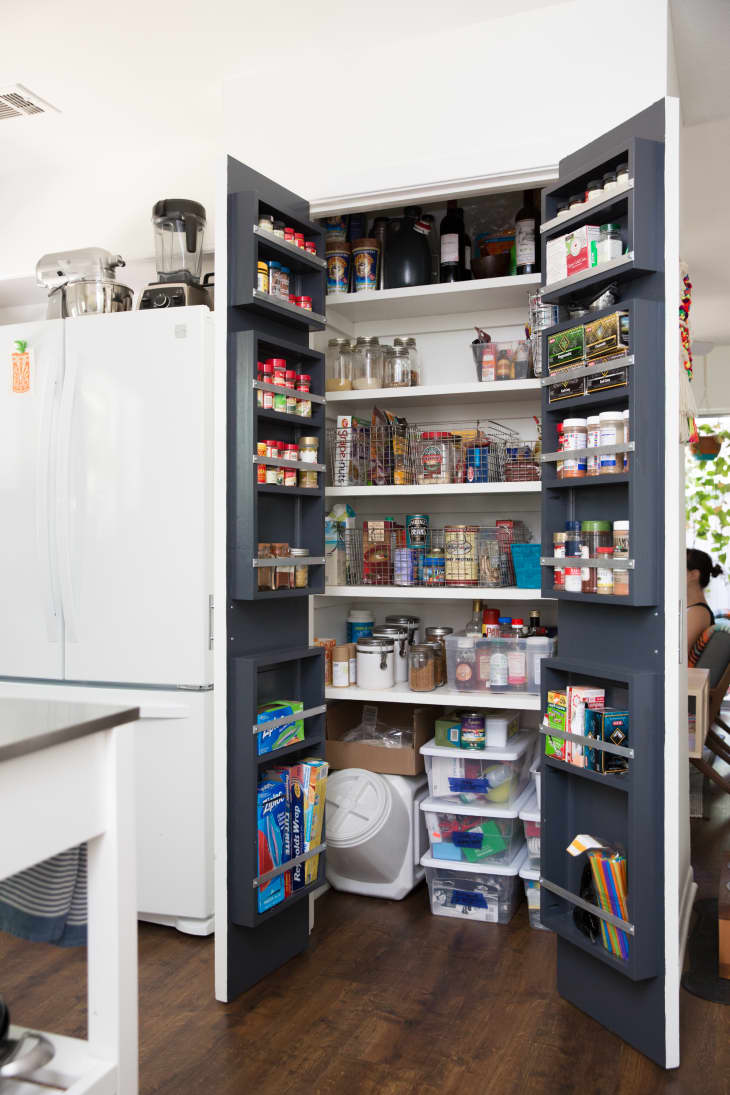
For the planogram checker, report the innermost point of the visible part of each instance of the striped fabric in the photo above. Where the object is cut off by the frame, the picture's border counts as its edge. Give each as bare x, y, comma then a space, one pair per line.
700, 644
47, 902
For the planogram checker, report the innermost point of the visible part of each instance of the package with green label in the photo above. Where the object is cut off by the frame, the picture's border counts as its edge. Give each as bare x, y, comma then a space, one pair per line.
279, 736
607, 336
448, 731
566, 348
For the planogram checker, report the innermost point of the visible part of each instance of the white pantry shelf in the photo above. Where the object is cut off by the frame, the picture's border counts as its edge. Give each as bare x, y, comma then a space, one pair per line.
449, 298
437, 593
435, 395
440, 697
532, 487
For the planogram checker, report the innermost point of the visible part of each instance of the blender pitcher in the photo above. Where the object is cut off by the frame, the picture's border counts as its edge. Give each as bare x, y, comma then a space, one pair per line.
179, 227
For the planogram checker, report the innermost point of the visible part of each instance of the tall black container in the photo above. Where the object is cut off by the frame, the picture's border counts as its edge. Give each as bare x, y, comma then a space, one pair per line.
407, 252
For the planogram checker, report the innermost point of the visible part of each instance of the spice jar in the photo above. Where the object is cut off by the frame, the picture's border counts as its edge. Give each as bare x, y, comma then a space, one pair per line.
609, 182
266, 222
267, 376
594, 190
622, 174
291, 399
301, 571
575, 436
465, 668
593, 534
304, 406
621, 551
397, 368
559, 539
411, 623
435, 457
265, 575
437, 636
421, 668
338, 365
274, 278
576, 203
627, 437
375, 663
299, 239
308, 455
278, 377
279, 229
284, 273
262, 277
604, 575
611, 433
367, 364
289, 234
593, 440
290, 453
573, 581
399, 637
341, 666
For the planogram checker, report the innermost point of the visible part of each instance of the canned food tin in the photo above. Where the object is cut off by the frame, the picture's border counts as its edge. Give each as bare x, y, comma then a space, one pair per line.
433, 570
473, 730
417, 530
404, 566
460, 550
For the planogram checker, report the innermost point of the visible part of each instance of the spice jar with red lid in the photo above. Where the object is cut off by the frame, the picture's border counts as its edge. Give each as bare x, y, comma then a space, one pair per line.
304, 406
299, 239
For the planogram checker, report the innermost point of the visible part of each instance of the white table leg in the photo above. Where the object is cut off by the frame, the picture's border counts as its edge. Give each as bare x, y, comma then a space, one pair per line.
112, 939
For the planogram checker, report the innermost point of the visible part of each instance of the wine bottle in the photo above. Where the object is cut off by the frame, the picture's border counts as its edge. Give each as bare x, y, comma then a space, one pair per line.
452, 244
466, 273
526, 249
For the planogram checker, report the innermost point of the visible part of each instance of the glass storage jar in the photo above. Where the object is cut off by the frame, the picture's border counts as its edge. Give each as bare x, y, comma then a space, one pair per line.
338, 365
437, 636
439, 662
410, 345
421, 668
593, 535
367, 363
301, 572
397, 368
412, 623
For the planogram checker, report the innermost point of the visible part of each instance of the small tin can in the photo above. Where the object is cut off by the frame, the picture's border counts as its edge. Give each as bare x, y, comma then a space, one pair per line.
433, 568
460, 550
417, 530
473, 730
404, 566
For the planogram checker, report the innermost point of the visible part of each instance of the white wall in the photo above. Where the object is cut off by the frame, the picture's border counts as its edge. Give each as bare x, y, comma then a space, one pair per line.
711, 381
502, 95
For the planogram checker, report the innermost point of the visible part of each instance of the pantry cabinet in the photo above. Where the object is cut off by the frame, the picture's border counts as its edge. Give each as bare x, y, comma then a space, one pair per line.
265, 646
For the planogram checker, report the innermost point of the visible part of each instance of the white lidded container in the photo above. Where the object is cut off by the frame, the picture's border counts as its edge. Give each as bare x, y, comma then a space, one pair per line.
535, 775
531, 881
484, 776
375, 663
530, 817
475, 891
474, 834
375, 832
399, 637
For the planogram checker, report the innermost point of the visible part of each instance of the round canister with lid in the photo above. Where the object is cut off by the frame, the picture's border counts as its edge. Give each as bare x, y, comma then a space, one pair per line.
367, 828
399, 637
375, 663
412, 623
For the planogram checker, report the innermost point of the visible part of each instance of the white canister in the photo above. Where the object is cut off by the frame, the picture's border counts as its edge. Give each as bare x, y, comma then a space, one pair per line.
399, 638
375, 663
612, 433
412, 623
594, 440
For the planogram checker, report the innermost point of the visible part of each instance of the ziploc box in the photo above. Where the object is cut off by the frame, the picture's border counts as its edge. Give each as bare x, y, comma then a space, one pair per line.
581, 698
282, 776
308, 791
272, 819
269, 740
607, 725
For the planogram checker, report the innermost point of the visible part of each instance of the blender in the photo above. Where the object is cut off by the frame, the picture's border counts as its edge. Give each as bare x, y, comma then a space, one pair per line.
179, 228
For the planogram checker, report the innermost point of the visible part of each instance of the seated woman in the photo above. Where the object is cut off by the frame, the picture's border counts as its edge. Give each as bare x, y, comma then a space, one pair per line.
700, 616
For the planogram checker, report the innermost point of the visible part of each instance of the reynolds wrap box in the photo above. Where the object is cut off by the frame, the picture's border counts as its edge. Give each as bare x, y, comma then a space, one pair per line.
269, 740
308, 791
607, 725
272, 816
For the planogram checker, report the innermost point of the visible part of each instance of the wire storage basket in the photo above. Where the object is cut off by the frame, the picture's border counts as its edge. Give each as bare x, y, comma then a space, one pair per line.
383, 553
427, 454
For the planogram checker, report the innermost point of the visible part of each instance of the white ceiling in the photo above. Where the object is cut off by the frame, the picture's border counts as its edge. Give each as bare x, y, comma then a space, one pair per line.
702, 54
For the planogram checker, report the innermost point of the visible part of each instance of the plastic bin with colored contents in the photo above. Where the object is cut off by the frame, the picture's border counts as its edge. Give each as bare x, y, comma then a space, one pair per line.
530, 816
475, 891
531, 879
496, 665
487, 776
474, 834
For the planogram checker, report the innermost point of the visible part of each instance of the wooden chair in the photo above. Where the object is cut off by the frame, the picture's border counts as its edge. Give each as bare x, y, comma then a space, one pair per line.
712, 651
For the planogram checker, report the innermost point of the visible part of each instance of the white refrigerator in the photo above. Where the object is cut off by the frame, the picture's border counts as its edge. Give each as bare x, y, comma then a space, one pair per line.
106, 574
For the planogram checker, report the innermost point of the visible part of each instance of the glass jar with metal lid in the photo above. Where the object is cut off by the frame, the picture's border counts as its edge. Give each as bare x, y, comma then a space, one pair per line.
439, 661
412, 623
399, 637
375, 663
367, 363
421, 668
397, 368
593, 534
338, 365
301, 572
410, 345
438, 635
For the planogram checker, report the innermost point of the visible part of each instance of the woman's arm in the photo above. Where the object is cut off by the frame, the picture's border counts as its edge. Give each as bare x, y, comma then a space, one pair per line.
698, 620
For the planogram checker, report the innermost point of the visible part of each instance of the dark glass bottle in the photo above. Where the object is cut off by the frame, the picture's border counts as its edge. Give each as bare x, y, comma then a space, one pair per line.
452, 244
527, 250
466, 274
407, 254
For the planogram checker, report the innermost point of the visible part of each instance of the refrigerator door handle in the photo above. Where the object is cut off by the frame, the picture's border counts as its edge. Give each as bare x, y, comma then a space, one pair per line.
45, 510
63, 501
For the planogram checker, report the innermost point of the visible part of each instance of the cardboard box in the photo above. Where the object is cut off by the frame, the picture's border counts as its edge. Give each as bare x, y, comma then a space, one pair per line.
578, 251
343, 715
352, 451
611, 378
566, 348
269, 740
698, 692
607, 336
568, 389
581, 699
611, 726
448, 731
555, 260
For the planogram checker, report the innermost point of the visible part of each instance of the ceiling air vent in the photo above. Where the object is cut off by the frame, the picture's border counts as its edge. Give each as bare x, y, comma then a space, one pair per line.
19, 102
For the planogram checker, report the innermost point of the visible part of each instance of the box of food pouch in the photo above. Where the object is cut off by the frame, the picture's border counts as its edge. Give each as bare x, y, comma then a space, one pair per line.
566, 348
352, 451
607, 336
608, 725
566, 389
579, 254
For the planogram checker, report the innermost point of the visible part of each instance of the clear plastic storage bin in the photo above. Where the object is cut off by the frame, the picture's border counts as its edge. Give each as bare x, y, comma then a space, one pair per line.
474, 834
530, 816
496, 665
531, 880
490, 776
475, 891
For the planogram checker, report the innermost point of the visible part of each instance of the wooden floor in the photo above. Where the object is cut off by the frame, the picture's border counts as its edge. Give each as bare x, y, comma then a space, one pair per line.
387, 1000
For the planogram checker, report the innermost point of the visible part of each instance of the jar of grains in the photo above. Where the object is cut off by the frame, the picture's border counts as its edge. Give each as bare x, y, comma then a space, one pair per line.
437, 636
593, 535
301, 571
338, 365
367, 364
421, 668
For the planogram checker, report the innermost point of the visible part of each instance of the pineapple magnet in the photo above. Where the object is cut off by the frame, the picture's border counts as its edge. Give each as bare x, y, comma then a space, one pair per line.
21, 367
